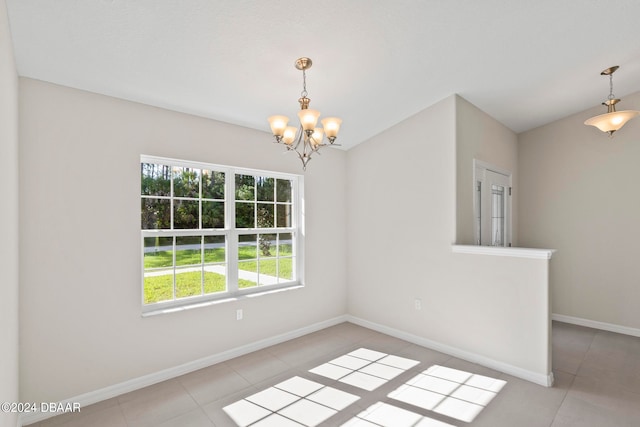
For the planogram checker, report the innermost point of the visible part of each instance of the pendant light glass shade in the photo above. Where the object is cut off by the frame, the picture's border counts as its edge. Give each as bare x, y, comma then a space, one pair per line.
289, 135
331, 126
308, 118
278, 124
611, 122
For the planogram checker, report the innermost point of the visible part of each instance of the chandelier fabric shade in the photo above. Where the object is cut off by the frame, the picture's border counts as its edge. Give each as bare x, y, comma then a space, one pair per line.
612, 120
306, 139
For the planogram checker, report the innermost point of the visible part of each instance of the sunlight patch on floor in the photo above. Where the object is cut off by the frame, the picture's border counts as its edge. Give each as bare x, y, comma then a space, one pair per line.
451, 392
364, 368
383, 414
294, 402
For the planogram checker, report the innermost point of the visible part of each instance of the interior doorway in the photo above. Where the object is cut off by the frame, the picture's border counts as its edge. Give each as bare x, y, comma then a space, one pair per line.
491, 205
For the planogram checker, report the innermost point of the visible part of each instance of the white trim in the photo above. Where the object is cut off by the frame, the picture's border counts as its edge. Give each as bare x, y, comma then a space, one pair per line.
626, 330
168, 161
534, 377
272, 289
500, 251
493, 168
167, 374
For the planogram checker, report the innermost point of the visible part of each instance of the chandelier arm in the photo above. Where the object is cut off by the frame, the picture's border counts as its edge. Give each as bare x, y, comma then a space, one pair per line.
300, 136
305, 146
317, 144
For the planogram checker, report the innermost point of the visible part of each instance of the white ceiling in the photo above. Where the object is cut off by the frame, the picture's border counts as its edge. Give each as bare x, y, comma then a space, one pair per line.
375, 63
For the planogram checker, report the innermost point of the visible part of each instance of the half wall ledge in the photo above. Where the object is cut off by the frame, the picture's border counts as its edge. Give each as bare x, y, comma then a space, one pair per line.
531, 253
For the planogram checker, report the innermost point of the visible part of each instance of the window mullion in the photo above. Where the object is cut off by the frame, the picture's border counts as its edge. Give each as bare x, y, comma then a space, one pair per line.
255, 202
173, 239
232, 235
200, 228
202, 275
175, 279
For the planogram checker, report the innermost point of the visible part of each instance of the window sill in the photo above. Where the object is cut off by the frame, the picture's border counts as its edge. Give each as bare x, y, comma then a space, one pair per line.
201, 304
502, 251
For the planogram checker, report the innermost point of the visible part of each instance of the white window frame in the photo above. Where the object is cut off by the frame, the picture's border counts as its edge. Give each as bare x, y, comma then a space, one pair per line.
231, 234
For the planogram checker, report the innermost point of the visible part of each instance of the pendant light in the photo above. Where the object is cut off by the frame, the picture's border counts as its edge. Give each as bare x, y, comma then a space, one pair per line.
613, 120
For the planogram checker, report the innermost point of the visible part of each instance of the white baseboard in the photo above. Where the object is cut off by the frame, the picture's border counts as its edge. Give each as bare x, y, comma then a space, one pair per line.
596, 325
167, 374
534, 377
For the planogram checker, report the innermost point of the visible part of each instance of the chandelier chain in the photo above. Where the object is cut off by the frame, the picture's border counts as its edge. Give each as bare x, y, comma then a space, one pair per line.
611, 96
304, 92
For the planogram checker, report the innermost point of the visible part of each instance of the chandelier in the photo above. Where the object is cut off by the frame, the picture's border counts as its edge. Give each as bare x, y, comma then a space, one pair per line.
305, 139
613, 120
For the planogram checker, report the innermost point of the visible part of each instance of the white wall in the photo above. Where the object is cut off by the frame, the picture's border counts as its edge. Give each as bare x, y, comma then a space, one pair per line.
402, 222
81, 328
480, 136
8, 220
579, 194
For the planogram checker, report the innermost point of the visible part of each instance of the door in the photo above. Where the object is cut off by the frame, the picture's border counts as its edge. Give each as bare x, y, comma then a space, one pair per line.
492, 206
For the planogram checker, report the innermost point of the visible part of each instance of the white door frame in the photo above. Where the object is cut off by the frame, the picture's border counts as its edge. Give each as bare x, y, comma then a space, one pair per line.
479, 171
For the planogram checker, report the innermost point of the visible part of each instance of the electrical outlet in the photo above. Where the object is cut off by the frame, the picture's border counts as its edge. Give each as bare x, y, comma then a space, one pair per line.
239, 314
417, 304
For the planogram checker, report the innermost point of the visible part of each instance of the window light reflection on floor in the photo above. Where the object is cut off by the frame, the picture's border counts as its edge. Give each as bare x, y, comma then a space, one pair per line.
294, 402
383, 414
451, 392
364, 368
298, 401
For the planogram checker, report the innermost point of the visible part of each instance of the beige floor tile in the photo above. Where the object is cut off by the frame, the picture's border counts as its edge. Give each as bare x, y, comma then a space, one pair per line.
212, 383
474, 368
257, 366
570, 346
194, 418
425, 356
595, 402
102, 414
352, 332
624, 373
613, 358
524, 404
158, 403
215, 412
384, 343
303, 351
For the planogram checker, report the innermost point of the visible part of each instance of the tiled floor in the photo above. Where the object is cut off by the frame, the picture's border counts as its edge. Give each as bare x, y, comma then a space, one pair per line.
597, 384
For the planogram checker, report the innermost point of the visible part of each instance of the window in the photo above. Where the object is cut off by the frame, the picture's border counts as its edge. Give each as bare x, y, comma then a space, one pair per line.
214, 232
